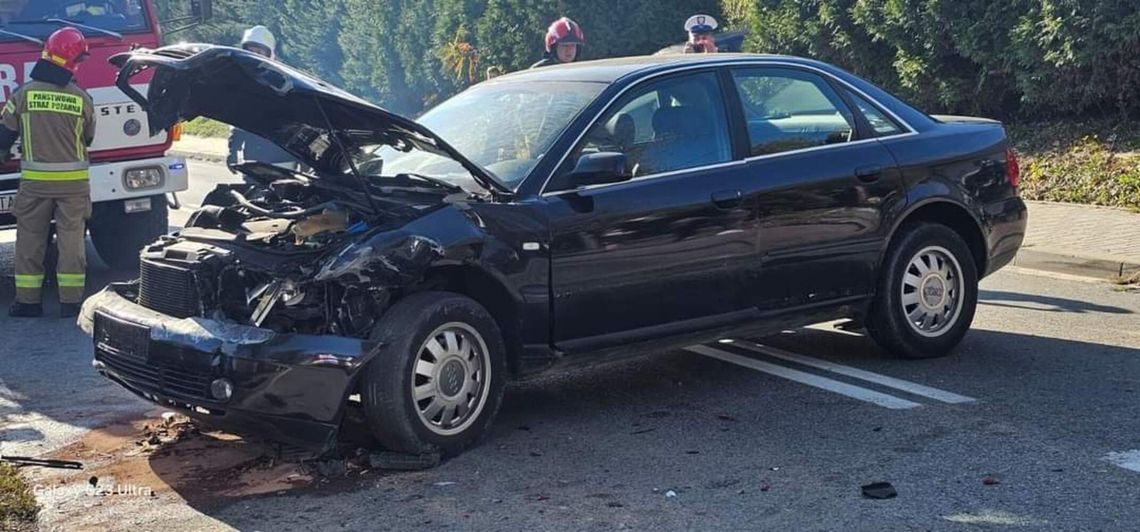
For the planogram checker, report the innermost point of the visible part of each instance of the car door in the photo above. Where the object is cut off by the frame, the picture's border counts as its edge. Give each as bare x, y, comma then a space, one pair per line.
668, 248
823, 183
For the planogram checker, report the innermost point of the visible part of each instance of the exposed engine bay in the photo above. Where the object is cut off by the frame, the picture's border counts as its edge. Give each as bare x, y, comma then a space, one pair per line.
285, 253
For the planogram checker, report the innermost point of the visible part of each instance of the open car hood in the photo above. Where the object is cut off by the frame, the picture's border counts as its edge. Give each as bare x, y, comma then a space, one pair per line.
276, 102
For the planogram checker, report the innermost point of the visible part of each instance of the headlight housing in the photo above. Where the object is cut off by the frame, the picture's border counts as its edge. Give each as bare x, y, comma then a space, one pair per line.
143, 178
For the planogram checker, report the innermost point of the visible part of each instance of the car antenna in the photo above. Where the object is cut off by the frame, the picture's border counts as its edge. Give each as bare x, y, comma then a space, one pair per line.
347, 157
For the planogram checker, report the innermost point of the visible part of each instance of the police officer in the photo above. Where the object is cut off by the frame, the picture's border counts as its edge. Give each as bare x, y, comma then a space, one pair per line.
564, 39
701, 38
55, 122
245, 146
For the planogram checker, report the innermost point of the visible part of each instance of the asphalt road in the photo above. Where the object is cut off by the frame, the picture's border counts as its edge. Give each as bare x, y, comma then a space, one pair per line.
1030, 424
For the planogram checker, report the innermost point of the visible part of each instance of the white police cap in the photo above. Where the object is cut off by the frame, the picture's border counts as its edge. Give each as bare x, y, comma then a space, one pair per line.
700, 24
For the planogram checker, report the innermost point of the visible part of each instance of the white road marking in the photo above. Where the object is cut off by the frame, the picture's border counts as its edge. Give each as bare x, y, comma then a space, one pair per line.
823, 383
1054, 275
993, 517
889, 382
1129, 460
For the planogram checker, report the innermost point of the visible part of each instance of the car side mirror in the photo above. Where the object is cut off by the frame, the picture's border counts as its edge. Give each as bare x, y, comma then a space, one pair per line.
600, 168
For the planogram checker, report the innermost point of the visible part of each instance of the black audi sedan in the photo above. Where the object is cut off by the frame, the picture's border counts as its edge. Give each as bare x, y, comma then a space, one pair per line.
570, 214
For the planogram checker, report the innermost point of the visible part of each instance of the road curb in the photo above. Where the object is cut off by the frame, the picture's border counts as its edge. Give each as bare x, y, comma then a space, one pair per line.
1073, 265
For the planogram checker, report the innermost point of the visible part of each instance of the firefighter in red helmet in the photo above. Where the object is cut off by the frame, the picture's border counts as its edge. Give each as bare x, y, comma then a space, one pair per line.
54, 120
564, 39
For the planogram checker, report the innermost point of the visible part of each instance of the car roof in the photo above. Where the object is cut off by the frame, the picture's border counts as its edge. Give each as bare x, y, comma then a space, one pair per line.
611, 70
622, 71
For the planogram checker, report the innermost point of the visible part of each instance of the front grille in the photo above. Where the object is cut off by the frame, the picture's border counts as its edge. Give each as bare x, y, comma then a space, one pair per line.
175, 371
168, 289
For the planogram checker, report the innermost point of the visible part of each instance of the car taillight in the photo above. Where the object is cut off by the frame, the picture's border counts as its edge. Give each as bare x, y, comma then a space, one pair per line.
1012, 168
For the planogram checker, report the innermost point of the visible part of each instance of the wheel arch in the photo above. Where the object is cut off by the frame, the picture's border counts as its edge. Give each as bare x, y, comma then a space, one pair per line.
489, 291
950, 214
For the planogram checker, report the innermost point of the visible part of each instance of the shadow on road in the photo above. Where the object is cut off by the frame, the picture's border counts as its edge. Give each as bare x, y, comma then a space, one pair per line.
18, 434
621, 423
998, 298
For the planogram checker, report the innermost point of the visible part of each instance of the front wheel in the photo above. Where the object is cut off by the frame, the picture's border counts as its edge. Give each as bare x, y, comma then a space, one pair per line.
118, 236
927, 293
438, 380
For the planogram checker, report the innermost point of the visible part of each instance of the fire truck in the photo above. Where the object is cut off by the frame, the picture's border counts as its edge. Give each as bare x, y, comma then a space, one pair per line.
131, 173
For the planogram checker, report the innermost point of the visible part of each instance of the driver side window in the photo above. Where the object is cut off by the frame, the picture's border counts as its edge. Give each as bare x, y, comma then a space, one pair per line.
665, 126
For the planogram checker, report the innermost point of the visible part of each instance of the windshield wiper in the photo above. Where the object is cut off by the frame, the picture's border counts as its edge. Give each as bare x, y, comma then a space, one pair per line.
64, 22
449, 187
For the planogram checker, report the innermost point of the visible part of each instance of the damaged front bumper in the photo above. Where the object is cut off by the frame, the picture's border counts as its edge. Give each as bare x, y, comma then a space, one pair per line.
287, 387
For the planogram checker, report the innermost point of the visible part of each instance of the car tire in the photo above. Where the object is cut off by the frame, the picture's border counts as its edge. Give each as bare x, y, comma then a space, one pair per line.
437, 382
927, 293
118, 236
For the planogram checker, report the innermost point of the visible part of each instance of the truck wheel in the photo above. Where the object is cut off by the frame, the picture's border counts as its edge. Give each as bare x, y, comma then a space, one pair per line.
437, 382
927, 293
119, 236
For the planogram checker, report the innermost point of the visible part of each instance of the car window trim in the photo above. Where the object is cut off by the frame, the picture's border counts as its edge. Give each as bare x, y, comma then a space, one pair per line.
863, 129
662, 175
738, 124
874, 105
725, 65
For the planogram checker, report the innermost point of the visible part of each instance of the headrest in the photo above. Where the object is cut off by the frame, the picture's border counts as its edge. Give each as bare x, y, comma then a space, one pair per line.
624, 130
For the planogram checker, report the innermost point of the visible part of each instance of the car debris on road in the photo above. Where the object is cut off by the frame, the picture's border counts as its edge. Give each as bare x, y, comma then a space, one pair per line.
879, 490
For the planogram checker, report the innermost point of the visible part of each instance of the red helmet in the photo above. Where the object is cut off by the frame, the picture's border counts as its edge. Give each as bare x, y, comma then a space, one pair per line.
66, 48
564, 31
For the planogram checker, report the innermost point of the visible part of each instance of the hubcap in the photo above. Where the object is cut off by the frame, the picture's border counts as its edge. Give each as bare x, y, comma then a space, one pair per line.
450, 378
932, 291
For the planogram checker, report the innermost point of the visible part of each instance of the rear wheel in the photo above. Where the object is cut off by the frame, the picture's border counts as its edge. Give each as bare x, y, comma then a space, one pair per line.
927, 293
119, 236
438, 380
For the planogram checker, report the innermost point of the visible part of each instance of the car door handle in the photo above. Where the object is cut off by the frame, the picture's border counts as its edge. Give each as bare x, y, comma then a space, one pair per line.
869, 174
727, 199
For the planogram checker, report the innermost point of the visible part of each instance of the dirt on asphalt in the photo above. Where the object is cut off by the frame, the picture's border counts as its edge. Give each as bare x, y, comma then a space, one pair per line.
169, 461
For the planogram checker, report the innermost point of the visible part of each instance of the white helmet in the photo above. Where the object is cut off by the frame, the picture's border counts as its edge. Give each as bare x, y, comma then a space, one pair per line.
260, 36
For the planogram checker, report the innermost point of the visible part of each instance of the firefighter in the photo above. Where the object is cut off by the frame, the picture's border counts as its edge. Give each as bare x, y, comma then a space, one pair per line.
245, 146
54, 120
701, 38
564, 40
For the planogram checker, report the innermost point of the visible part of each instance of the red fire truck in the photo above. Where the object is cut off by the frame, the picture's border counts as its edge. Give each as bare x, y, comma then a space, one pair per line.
131, 172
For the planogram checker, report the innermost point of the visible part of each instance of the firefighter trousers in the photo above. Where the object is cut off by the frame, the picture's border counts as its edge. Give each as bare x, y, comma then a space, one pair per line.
36, 204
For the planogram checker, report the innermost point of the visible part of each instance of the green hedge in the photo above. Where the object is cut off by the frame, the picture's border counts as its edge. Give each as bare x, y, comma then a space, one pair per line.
393, 52
1093, 162
204, 127
999, 58
18, 508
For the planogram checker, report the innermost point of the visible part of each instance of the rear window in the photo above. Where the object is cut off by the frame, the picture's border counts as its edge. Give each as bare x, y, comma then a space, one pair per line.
30, 17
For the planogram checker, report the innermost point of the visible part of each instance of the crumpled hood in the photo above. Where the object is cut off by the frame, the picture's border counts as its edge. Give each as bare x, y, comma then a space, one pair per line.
271, 100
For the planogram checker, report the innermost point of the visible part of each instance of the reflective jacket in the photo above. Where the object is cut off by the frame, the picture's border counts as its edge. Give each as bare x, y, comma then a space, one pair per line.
56, 125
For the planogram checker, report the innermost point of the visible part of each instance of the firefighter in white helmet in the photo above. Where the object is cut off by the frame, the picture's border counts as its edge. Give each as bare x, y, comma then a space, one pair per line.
245, 146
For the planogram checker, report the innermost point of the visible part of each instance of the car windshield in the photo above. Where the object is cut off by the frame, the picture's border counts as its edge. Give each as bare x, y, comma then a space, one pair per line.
506, 128
27, 17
